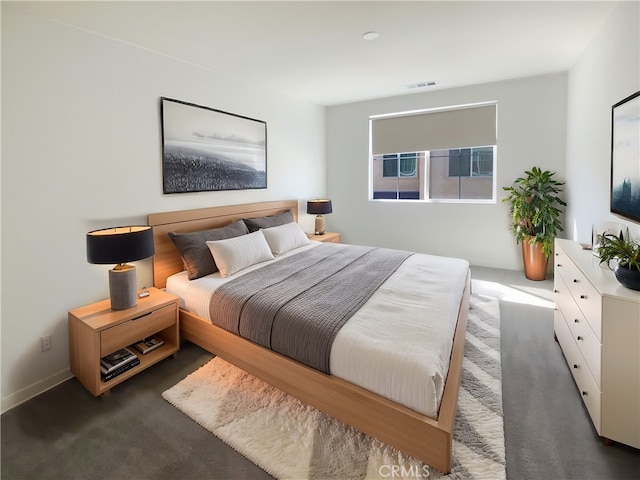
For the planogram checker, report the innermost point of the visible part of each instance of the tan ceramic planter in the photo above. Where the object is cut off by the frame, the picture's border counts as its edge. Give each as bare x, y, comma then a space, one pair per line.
535, 263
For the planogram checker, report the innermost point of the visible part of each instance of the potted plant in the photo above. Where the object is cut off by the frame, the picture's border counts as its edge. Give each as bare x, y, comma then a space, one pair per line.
627, 256
535, 218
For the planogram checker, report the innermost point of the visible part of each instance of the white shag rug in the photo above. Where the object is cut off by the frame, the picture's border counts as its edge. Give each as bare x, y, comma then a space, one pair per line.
291, 440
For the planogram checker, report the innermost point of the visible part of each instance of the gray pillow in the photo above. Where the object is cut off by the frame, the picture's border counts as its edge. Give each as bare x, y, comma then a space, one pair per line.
196, 256
256, 223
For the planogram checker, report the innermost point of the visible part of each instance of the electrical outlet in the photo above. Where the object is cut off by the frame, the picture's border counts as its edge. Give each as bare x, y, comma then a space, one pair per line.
45, 343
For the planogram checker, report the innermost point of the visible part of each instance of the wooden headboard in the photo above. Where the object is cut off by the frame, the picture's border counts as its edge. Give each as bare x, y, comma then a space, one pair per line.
167, 261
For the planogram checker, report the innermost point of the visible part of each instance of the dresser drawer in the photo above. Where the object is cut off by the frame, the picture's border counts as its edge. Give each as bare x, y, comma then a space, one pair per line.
136, 329
583, 292
580, 329
589, 346
589, 391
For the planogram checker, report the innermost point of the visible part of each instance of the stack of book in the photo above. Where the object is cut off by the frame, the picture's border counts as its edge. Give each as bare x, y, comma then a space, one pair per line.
149, 344
117, 363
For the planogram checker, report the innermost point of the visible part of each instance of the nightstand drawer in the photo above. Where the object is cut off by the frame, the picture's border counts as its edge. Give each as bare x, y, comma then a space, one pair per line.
131, 331
328, 237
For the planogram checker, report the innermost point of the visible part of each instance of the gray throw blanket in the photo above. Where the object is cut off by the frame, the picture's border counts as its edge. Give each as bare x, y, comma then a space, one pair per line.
297, 305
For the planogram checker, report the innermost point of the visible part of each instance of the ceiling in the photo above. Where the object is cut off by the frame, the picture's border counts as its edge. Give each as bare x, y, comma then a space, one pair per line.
314, 50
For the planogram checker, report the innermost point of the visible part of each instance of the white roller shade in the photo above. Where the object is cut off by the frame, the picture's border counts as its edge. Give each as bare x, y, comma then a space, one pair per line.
464, 127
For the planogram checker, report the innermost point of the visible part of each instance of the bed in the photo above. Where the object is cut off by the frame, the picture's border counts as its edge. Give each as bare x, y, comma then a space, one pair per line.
426, 437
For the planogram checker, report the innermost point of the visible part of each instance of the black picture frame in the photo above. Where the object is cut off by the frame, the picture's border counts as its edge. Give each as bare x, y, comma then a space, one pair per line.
204, 149
625, 157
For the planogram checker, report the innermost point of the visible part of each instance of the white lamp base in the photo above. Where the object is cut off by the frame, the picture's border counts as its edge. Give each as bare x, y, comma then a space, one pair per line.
123, 287
320, 230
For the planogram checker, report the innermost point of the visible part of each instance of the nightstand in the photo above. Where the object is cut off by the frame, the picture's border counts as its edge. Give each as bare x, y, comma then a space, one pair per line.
329, 237
96, 331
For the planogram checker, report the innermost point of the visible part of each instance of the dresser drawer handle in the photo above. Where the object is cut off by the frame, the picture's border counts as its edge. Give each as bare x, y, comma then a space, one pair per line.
575, 280
583, 297
141, 316
575, 365
584, 393
559, 265
575, 320
556, 291
580, 338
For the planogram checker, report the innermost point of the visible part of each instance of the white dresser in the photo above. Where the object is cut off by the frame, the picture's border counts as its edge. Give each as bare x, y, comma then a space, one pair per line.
597, 323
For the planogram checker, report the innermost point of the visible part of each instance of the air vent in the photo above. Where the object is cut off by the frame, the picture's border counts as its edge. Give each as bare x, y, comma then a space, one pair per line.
421, 84
370, 35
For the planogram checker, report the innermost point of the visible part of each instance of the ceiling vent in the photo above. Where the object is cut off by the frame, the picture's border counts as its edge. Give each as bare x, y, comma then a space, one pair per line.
421, 84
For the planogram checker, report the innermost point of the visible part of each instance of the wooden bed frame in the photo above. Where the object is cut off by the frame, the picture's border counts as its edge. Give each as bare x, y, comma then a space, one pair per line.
422, 437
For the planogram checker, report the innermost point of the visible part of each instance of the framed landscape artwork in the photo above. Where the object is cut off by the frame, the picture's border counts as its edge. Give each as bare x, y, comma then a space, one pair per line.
204, 149
625, 157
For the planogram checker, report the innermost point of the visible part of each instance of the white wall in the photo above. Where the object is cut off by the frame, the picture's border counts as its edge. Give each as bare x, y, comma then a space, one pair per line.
531, 131
81, 149
607, 72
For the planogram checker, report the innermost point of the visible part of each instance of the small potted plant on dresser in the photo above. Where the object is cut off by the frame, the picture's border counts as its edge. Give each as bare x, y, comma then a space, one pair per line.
535, 218
626, 252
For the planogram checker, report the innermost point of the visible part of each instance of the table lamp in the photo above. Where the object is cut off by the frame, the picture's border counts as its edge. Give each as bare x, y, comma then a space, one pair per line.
318, 208
120, 245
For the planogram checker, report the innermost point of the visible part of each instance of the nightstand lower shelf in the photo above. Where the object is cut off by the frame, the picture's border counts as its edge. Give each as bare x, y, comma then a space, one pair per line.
146, 361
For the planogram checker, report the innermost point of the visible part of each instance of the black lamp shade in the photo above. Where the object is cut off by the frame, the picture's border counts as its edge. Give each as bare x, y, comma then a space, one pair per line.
319, 207
120, 244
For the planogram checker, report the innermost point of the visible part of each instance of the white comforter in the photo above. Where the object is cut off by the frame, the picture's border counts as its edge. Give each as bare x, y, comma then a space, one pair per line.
398, 344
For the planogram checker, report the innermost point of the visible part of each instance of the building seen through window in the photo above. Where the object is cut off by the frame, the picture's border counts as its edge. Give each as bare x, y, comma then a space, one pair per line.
460, 173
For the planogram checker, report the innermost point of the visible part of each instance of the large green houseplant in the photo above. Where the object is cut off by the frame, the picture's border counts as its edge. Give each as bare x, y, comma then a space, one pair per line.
626, 252
535, 217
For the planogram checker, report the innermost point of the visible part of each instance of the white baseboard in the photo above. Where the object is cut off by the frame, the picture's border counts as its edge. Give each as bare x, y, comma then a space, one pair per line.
35, 389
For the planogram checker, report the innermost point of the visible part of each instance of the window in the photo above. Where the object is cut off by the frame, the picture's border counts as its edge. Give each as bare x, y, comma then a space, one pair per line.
397, 176
468, 162
435, 171
461, 174
400, 165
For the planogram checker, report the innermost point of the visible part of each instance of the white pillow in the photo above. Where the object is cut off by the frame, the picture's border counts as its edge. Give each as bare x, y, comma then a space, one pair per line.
284, 238
233, 254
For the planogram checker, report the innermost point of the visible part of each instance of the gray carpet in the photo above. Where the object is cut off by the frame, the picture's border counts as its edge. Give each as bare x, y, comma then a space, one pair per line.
66, 433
